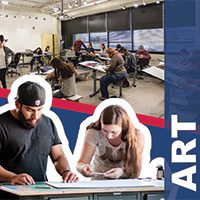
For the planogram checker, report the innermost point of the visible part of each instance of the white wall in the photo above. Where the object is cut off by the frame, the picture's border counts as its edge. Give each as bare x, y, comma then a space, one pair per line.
26, 33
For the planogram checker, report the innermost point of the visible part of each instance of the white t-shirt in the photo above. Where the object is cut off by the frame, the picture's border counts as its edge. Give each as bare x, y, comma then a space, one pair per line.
69, 86
2, 59
108, 156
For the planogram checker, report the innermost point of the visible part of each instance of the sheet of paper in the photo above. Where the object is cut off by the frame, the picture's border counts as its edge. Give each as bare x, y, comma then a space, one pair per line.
105, 184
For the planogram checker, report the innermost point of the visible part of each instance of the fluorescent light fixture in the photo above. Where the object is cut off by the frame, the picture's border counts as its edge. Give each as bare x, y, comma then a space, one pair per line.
4, 2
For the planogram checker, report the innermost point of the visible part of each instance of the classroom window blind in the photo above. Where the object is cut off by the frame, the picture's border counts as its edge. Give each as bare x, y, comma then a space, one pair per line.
120, 37
119, 20
147, 17
97, 38
151, 39
97, 23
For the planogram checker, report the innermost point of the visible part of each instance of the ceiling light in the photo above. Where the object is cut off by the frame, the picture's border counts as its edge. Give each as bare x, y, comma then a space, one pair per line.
4, 2
123, 7
84, 2
144, 3
157, 2
135, 5
22, 17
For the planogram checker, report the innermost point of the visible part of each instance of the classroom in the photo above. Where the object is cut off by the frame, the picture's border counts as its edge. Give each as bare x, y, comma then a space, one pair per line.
32, 24
89, 51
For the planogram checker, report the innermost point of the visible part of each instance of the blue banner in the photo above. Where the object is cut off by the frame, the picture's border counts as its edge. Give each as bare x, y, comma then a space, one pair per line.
182, 97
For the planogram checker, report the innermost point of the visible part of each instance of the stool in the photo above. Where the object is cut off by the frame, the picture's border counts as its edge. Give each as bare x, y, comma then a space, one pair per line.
120, 84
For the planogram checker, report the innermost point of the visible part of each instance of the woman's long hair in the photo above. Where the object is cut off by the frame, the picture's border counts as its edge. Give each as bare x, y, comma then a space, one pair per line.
65, 69
115, 114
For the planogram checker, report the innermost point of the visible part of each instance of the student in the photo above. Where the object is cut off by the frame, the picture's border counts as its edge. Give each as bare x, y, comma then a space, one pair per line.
37, 56
116, 72
5, 52
143, 57
77, 46
67, 73
130, 64
27, 138
118, 47
113, 147
47, 54
90, 55
103, 50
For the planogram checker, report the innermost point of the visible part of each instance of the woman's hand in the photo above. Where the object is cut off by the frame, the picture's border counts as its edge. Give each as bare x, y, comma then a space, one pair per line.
87, 170
22, 179
114, 173
69, 177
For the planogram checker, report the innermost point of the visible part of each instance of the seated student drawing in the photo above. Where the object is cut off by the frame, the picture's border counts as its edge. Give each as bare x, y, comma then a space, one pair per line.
143, 57
113, 147
115, 72
67, 73
37, 56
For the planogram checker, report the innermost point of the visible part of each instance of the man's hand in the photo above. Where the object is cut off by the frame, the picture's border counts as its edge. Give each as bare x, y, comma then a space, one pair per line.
114, 173
69, 177
22, 179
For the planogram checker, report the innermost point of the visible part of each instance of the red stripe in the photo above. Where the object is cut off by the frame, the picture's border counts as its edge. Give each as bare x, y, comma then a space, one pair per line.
89, 109
4, 93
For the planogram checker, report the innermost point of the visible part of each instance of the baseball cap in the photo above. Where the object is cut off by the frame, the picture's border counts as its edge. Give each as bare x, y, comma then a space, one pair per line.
2, 39
31, 94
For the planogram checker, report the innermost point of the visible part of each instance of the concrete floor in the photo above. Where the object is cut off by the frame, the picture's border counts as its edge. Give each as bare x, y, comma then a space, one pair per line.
146, 98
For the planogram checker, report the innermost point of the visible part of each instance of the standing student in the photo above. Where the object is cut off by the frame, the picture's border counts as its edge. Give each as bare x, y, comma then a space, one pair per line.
77, 46
113, 147
67, 73
28, 137
115, 72
5, 52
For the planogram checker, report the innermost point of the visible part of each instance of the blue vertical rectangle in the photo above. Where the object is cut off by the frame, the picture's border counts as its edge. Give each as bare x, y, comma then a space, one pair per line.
182, 93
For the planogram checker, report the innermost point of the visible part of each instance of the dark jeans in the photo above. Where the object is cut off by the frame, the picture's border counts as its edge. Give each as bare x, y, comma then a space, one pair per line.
39, 60
3, 77
107, 79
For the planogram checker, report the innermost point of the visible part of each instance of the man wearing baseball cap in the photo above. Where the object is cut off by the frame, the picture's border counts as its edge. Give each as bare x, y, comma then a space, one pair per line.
27, 138
5, 52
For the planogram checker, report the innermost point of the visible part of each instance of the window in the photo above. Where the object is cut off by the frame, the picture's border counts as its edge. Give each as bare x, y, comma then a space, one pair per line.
83, 36
97, 38
120, 37
151, 39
